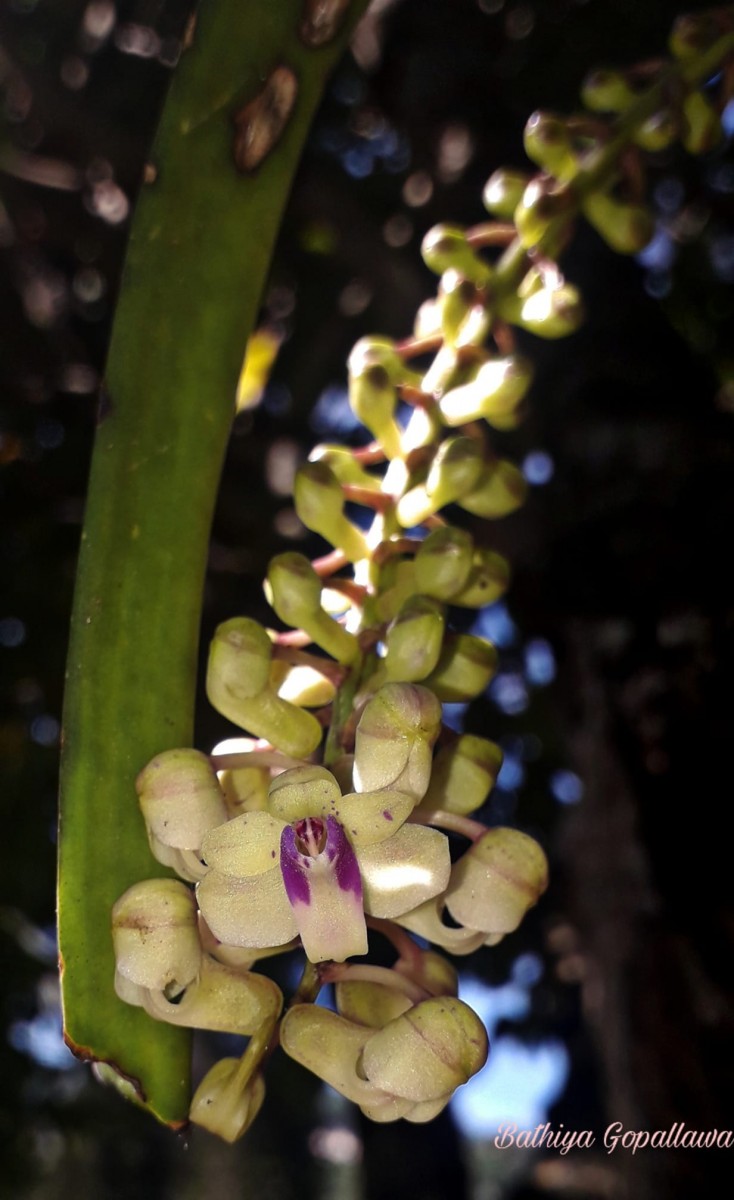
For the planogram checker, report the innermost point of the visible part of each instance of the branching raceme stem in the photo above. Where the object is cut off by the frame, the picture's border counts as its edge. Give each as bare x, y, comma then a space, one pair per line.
296, 843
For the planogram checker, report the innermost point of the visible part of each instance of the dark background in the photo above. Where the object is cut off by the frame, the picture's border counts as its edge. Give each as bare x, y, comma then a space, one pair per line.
620, 764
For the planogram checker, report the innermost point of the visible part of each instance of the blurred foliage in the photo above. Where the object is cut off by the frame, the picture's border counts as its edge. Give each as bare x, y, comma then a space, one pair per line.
622, 551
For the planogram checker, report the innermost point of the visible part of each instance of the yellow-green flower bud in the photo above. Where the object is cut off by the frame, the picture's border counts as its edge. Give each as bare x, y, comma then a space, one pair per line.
466, 316
431, 971
427, 323
344, 466
296, 597
222, 1105
549, 312
499, 878
624, 227
443, 371
658, 132
155, 935
487, 580
245, 789
221, 999
466, 665
607, 91
544, 204
463, 775
701, 124
301, 684
443, 562
397, 583
180, 798
427, 1052
319, 503
503, 191
395, 738
497, 389
501, 490
331, 1047
369, 1004
414, 640
455, 470
691, 34
239, 662
373, 398
548, 144
445, 248
408, 1068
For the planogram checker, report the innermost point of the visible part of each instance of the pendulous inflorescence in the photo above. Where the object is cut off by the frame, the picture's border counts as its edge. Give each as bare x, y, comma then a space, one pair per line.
348, 811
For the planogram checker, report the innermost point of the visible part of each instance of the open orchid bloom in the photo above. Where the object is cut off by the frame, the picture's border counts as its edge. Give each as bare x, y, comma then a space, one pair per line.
314, 863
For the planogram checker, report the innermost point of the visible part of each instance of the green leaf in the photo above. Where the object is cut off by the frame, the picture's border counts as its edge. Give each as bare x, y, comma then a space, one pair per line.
200, 248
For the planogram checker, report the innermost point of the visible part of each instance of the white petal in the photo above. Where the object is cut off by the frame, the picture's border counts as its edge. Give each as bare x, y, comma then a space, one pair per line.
247, 912
403, 871
247, 845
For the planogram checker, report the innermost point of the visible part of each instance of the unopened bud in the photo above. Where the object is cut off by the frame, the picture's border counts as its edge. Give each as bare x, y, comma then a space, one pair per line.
497, 389
180, 798
394, 740
503, 191
456, 468
548, 144
607, 91
487, 581
692, 33
369, 1004
222, 1105
239, 657
544, 204
466, 665
222, 999
499, 878
658, 132
155, 936
627, 228
501, 490
296, 597
373, 398
445, 248
466, 316
414, 639
319, 503
427, 1052
344, 466
548, 311
463, 775
443, 562
701, 124
300, 684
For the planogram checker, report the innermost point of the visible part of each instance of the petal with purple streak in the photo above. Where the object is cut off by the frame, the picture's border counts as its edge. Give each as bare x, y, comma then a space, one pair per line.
325, 893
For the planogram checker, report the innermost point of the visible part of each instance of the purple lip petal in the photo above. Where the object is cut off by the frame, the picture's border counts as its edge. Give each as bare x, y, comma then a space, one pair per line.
293, 868
325, 894
346, 865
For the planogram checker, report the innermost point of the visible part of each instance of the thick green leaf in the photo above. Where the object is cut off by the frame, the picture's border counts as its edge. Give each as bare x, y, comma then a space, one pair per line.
199, 251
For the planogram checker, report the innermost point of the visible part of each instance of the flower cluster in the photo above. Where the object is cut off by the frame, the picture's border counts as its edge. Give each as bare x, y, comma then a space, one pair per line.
305, 842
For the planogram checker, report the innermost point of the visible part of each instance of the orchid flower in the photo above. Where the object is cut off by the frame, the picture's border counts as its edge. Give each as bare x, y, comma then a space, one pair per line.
314, 863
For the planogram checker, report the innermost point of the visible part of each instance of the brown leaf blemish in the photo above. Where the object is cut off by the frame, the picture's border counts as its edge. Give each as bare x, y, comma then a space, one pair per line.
260, 124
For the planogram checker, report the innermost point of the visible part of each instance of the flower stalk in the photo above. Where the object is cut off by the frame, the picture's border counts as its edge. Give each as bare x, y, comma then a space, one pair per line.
311, 842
